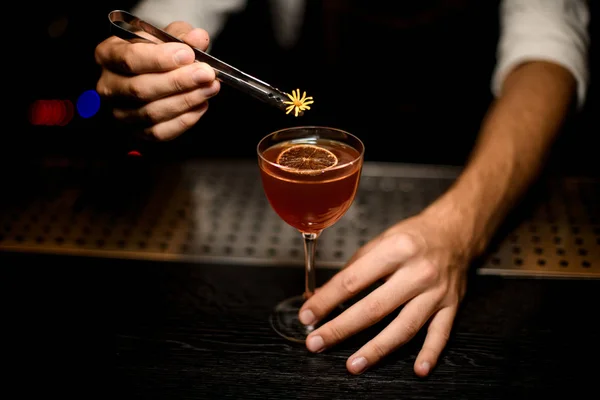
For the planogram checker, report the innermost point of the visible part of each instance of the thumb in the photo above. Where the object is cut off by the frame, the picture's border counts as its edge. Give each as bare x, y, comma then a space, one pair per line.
195, 37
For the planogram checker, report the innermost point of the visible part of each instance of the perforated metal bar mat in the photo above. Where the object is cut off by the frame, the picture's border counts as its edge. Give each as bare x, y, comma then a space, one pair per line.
216, 212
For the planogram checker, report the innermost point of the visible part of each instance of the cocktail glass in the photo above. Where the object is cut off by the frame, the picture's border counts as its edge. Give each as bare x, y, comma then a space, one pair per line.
310, 176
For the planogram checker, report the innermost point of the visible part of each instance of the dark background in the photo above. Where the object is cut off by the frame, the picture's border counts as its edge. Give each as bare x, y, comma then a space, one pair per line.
418, 74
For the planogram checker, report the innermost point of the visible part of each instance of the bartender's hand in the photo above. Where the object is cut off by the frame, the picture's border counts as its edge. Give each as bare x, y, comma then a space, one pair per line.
157, 87
424, 262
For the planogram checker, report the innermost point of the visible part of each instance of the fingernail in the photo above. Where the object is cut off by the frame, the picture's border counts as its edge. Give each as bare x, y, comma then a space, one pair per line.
201, 75
183, 57
358, 365
307, 317
315, 344
210, 90
425, 367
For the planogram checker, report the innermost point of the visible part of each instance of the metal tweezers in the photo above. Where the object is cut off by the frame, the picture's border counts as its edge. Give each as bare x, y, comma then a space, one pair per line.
124, 25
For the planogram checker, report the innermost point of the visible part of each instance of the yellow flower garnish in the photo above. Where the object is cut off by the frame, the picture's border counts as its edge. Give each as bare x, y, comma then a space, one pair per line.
298, 103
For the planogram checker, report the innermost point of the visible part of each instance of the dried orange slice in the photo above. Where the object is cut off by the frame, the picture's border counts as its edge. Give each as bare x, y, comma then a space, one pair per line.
307, 157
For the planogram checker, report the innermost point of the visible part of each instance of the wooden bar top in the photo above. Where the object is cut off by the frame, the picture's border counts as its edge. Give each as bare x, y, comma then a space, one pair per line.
183, 331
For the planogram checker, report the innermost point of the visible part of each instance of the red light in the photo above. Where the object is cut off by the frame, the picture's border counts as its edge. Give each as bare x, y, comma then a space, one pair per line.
58, 111
134, 153
51, 112
69, 112
37, 112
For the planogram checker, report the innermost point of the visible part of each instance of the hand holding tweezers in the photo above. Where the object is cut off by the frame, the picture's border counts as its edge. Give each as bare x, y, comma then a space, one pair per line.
124, 24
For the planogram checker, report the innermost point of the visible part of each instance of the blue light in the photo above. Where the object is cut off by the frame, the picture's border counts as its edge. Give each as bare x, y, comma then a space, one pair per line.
88, 104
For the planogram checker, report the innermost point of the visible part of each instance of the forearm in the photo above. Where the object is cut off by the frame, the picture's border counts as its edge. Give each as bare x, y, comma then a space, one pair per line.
514, 141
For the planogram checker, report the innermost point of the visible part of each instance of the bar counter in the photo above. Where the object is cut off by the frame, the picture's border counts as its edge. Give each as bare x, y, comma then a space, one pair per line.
189, 330
178, 269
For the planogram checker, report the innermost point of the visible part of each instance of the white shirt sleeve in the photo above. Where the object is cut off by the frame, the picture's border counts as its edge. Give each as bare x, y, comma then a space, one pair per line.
548, 30
209, 15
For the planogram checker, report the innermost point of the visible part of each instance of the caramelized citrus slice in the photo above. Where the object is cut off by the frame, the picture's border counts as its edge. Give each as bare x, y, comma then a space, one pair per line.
307, 157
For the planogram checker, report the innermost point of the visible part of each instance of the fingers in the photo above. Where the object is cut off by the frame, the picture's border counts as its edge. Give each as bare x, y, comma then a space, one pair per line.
402, 286
394, 250
363, 250
170, 129
169, 107
153, 86
437, 337
178, 28
127, 58
138, 58
194, 37
402, 329
197, 38
157, 85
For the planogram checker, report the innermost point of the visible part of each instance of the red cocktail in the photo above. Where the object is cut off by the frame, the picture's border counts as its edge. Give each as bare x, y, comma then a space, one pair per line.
312, 200
310, 176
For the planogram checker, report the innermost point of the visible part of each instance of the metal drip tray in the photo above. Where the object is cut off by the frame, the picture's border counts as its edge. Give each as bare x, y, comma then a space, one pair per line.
216, 212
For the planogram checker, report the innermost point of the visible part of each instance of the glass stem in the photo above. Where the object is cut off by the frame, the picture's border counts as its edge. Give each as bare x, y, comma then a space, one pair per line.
310, 242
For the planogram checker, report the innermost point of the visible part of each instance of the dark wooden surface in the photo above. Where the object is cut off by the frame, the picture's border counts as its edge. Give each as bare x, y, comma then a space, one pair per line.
179, 331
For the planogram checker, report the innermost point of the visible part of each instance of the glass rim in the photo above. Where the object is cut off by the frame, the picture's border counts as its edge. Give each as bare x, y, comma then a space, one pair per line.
315, 127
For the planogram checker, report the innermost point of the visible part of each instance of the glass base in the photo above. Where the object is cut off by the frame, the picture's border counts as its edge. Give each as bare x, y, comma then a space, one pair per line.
286, 323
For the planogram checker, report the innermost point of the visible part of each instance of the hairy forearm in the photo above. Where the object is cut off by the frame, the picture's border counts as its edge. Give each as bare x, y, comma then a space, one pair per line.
514, 141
